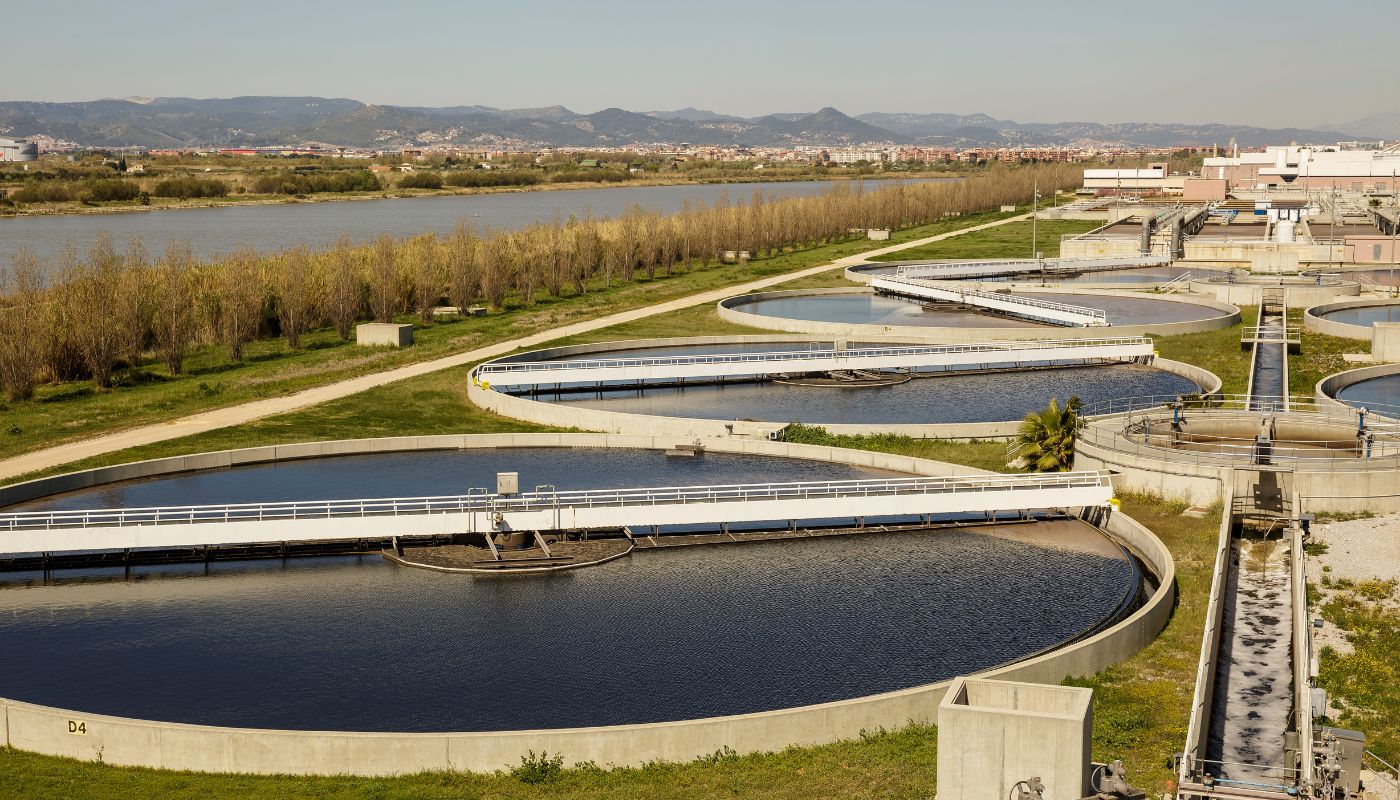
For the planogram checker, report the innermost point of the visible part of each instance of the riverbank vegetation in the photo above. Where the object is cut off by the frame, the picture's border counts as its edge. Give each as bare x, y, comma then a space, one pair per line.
119, 338
57, 185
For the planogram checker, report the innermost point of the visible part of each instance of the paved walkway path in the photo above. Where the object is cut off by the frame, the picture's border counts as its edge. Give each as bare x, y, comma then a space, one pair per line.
247, 412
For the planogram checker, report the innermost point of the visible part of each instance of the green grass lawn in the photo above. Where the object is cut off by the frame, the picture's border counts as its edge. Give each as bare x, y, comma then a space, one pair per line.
76, 410
1319, 356
1361, 684
1006, 241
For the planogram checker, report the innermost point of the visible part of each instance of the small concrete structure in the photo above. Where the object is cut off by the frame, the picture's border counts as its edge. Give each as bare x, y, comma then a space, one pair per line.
1273, 262
878, 234
1385, 341
993, 734
376, 334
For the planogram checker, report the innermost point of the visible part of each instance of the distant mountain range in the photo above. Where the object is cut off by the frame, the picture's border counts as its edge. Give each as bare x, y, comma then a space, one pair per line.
254, 121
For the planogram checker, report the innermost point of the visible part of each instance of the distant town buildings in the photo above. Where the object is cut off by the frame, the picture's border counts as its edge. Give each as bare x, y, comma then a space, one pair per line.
868, 153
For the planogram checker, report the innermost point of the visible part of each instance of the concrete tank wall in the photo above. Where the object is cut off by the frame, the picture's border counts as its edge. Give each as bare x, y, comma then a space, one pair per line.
729, 310
1322, 486
1326, 390
1295, 295
563, 415
129, 742
1314, 321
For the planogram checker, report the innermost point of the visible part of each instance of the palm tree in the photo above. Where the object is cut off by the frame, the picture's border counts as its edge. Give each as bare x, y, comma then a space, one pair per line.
1046, 439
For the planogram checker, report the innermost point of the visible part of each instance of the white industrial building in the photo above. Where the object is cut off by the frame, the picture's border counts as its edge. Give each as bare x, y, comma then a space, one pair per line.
1154, 179
14, 150
1311, 167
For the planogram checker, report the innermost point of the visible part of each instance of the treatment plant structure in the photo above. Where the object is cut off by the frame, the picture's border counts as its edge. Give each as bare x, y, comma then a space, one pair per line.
893, 338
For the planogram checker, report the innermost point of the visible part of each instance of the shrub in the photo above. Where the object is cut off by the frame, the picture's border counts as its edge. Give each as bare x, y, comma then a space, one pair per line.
538, 769
111, 189
360, 180
188, 186
421, 180
46, 192
491, 177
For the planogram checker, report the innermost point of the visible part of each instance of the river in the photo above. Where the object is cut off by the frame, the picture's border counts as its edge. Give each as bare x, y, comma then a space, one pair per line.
212, 231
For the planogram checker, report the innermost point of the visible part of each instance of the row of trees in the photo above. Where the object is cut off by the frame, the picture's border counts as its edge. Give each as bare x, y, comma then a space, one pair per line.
107, 308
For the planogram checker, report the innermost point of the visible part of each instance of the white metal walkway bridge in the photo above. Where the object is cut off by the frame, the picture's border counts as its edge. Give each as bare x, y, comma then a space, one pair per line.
502, 374
1016, 266
1030, 308
59, 532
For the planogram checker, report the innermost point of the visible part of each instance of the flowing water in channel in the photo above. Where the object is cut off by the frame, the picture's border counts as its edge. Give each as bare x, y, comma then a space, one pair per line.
1254, 670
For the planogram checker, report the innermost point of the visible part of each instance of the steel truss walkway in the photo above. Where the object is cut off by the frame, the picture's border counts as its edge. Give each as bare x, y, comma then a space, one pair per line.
1038, 310
1017, 266
57, 532
724, 365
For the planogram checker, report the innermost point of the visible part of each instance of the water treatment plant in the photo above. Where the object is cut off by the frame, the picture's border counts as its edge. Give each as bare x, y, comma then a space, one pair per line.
681, 543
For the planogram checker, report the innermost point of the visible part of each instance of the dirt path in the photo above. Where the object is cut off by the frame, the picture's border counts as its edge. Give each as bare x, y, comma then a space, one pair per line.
247, 412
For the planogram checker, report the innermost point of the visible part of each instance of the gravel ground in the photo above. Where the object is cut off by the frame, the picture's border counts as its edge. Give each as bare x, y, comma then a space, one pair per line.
1359, 549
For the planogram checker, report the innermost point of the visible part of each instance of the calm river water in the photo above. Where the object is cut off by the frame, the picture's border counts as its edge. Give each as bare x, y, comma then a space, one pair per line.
212, 231
361, 644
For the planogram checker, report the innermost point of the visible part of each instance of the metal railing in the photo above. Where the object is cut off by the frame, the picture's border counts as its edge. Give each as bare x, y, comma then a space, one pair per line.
543, 500
1270, 333
1379, 449
1388, 771
765, 357
1380, 415
1170, 287
1270, 777
1071, 264
1097, 314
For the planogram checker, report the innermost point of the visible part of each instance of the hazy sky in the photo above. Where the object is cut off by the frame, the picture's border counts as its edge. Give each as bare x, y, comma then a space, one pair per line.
1051, 60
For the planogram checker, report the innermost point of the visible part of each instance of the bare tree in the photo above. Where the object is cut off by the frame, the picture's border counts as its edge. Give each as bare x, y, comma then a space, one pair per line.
238, 294
22, 326
345, 289
174, 316
298, 296
463, 262
424, 257
133, 303
93, 318
495, 270
383, 279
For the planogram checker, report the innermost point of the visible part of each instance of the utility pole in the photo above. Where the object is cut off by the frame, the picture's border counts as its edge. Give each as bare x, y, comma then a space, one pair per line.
1035, 199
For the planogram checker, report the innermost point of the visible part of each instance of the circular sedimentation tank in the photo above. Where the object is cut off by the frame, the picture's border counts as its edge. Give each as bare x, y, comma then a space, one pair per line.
359, 643
1351, 319
1135, 276
1364, 316
1376, 393
928, 396
854, 309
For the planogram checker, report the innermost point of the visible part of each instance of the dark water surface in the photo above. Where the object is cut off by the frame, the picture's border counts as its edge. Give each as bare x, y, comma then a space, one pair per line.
213, 231
365, 645
988, 397
1381, 394
1364, 316
445, 472
872, 309
362, 644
